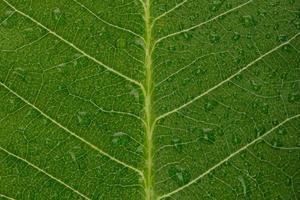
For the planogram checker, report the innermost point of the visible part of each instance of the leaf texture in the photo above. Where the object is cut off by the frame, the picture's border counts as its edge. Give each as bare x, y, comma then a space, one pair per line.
149, 99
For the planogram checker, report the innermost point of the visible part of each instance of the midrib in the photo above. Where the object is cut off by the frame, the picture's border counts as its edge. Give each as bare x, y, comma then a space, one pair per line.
148, 86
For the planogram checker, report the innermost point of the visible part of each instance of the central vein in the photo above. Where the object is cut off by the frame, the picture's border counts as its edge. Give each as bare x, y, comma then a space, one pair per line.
148, 88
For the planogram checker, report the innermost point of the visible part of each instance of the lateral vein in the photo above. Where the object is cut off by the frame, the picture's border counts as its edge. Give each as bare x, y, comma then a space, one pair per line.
229, 157
169, 11
44, 172
74, 46
72, 133
106, 22
227, 79
7, 197
202, 23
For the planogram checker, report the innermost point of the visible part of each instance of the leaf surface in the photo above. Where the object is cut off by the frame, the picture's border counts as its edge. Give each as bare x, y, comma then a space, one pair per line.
149, 99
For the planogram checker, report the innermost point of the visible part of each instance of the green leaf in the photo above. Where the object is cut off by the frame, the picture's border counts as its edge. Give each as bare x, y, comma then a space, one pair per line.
149, 99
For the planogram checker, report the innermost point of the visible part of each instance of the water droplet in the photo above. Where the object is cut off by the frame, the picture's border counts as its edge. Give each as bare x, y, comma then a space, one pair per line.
135, 93
215, 5
275, 122
201, 71
268, 36
21, 73
12, 104
265, 108
72, 156
120, 139
83, 119
179, 175
172, 48
276, 143
210, 105
293, 98
244, 185
29, 34
57, 13
260, 130
287, 48
255, 86
139, 43
140, 149
192, 18
32, 113
187, 35
214, 38
296, 23
236, 36
208, 136
177, 144
236, 139
282, 38
45, 121
220, 132
248, 21
121, 43
282, 131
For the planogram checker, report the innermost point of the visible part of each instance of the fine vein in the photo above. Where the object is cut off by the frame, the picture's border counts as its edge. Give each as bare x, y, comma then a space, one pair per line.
74, 46
202, 23
229, 157
227, 79
44, 172
106, 22
71, 132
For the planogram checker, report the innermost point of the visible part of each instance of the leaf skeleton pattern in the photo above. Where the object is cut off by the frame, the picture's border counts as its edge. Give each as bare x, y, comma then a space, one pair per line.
149, 99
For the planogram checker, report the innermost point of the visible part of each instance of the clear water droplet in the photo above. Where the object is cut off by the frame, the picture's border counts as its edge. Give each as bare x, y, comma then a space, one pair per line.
264, 108
214, 38
248, 21
201, 71
139, 43
236, 36
268, 36
21, 73
120, 139
45, 121
121, 43
32, 113
135, 93
57, 14
282, 38
255, 86
210, 105
187, 35
276, 143
244, 185
72, 154
83, 119
236, 139
259, 131
215, 5
179, 175
140, 149
282, 131
275, 122
208, 136
293, 98
177, 145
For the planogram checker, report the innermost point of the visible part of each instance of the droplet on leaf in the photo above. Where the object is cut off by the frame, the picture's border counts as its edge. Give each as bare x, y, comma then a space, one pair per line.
120, 139
179, 175
83, 119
